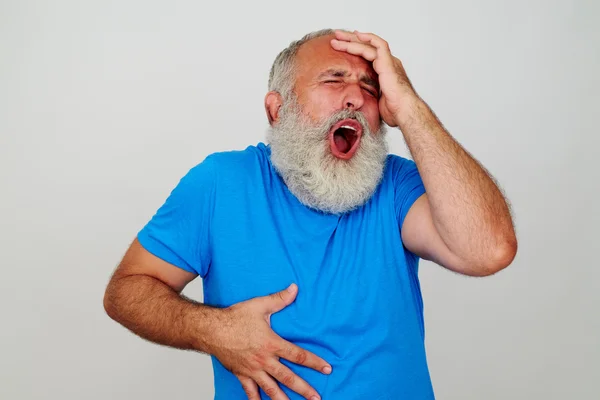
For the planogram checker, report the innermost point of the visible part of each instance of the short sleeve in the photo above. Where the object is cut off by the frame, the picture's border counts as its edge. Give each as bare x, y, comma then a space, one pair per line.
179, 232
408, 186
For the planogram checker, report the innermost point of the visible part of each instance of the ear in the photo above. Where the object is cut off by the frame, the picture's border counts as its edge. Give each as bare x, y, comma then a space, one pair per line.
273, 102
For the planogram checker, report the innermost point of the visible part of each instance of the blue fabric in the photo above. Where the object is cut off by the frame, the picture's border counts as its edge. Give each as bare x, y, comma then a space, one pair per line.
232, 220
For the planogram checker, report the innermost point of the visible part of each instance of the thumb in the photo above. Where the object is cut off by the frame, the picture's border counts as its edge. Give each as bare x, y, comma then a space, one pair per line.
278, 301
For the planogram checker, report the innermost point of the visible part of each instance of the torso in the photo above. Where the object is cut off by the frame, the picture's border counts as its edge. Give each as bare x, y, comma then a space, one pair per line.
359, 304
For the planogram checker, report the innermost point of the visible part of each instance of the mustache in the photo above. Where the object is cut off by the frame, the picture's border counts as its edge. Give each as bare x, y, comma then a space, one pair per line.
325, 124
294, 117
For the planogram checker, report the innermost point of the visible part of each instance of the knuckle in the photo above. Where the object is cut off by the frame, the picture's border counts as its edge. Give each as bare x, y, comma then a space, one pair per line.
301, 357
275, 298
248, 387
250, 394
279, 296
271, 347
288, 379
271, 391
262, 383
249, 391
256, 360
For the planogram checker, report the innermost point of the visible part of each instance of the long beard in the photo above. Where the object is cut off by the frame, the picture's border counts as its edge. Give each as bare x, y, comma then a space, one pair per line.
301, 154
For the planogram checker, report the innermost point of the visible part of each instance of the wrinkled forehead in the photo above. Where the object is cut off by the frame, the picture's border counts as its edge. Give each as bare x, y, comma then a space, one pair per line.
316, 56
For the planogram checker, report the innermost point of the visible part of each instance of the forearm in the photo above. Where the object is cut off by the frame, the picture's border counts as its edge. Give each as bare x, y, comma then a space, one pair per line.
152, 310
468, 209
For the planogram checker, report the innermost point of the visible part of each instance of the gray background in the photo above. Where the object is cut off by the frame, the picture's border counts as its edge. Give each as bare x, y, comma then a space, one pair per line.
104, 105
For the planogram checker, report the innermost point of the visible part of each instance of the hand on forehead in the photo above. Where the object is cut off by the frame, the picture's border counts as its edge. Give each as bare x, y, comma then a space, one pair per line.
397, 91
320, 54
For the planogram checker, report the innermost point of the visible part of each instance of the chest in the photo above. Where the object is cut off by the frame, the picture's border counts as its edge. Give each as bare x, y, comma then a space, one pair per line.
343, 263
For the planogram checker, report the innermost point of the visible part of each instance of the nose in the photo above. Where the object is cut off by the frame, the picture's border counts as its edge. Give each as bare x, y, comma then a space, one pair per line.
353, 97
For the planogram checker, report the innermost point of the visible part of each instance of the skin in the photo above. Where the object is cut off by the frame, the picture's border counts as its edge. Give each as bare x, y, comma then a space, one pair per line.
463, 223
321, 94
144, 295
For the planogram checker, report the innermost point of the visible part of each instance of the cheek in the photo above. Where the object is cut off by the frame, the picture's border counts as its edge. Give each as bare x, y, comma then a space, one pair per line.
373, 117
318, 106
375, 125
322, 108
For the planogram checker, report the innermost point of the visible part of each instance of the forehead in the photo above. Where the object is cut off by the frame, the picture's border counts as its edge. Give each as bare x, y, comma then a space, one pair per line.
317, 55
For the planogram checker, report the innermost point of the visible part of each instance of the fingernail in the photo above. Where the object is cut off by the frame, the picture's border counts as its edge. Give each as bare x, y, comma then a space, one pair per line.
292, 288
327, 369
314, 398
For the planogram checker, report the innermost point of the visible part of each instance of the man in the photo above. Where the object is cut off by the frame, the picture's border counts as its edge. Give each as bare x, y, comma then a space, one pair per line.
308, 247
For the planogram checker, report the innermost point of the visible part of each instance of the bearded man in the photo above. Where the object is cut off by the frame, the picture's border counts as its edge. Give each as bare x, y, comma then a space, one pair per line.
308, 246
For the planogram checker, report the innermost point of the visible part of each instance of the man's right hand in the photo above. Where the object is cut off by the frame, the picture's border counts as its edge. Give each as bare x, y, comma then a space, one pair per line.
250, 349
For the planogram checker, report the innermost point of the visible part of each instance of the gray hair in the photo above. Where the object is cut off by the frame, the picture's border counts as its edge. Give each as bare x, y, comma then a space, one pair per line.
283, 70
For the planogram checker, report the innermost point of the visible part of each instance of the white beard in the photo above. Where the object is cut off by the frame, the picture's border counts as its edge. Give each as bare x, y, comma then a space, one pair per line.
301, 154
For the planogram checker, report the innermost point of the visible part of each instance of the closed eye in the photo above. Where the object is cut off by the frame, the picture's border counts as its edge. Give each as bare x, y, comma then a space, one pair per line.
371, 91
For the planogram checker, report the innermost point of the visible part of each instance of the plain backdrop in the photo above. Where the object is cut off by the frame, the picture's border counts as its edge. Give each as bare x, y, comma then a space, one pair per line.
105, 105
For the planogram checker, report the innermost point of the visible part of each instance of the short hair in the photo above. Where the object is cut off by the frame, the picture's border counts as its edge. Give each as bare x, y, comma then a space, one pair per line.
283, 70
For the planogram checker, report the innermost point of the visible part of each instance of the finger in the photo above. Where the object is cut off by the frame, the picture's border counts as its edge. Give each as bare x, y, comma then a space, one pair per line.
278, 301
366, 51
250, 387
361, 37
347, 36
373, 40
382, 48
269, 386
300, 356
285, 375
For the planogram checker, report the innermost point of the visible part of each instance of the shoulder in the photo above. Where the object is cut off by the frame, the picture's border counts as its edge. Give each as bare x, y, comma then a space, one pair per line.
396, 163
239, 159
399, 168
230, 165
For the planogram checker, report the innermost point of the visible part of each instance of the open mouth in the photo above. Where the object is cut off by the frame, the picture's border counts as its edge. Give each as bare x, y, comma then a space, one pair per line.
344, 138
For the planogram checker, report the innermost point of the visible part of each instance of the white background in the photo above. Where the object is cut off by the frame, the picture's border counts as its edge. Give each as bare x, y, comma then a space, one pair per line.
104, 105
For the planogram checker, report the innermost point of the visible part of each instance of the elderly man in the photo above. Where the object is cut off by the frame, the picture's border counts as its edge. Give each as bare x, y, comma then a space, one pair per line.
308, 247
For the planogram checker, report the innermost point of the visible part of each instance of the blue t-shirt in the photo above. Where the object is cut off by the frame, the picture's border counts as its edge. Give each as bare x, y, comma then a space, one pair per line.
232, 220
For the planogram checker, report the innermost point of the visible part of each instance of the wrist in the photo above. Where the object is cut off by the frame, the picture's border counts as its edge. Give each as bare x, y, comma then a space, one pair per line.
412, 110
205, 324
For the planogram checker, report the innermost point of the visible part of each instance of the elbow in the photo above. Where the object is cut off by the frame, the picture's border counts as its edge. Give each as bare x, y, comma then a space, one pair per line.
114, 295
109, 303
502, 256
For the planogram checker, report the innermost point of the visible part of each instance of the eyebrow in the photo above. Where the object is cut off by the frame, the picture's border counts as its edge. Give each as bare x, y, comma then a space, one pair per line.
339, 73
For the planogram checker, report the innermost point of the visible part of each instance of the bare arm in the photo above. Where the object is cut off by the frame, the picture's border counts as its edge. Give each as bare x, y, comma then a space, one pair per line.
463, 222
464, 205
144, 296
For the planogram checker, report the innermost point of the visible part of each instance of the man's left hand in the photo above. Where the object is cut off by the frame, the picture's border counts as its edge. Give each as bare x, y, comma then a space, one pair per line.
397, 93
